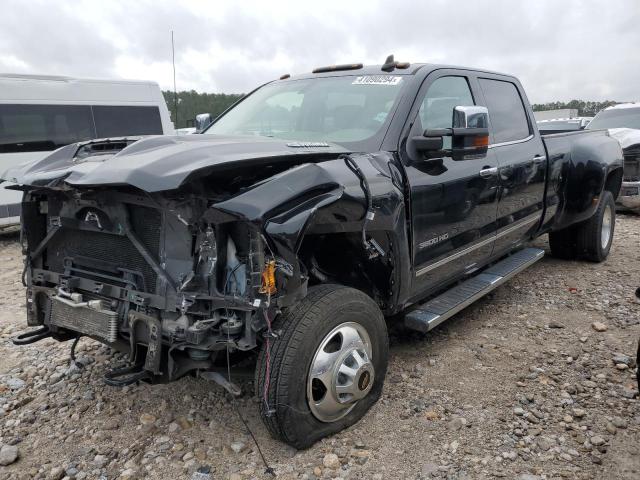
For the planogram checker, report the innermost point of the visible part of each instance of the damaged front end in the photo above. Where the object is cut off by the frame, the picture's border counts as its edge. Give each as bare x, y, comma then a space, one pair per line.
630, 192
170, 280
175, 276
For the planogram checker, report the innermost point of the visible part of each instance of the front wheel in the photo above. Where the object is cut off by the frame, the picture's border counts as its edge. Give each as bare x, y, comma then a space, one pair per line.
326, 368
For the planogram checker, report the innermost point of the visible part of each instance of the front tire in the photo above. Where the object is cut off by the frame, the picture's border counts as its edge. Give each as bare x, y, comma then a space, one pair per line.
326, 368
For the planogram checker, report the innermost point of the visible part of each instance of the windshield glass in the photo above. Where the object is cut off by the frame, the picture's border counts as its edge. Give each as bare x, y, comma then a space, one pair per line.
349, 110
616, 118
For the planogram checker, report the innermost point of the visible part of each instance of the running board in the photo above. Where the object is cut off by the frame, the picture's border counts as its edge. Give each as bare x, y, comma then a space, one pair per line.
432, 313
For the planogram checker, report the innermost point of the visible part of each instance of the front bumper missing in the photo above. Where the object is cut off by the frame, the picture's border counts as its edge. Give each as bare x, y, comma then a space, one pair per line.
630, 196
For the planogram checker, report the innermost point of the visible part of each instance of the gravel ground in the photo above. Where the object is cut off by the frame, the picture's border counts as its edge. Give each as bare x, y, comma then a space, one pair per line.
534, 381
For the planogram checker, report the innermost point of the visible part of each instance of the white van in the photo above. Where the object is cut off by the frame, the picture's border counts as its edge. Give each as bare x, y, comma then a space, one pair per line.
39, 113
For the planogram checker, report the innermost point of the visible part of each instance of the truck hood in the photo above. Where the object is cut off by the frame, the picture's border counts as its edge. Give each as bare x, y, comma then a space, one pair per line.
626, 136
160, 163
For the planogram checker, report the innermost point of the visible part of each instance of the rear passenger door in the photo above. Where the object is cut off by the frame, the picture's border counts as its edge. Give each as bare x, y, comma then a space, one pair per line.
521, 162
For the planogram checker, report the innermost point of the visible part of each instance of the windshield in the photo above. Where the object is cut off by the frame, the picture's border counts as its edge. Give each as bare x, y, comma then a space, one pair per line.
349, 110
616, 118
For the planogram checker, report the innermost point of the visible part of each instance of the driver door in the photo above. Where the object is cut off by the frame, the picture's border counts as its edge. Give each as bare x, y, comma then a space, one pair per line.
453, 202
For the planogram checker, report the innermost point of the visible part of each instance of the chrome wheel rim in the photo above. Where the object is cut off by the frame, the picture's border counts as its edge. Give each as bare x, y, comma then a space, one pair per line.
341, 372
605, 231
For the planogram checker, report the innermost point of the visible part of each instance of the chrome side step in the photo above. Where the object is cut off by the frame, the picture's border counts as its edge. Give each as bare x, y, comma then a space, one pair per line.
432, 313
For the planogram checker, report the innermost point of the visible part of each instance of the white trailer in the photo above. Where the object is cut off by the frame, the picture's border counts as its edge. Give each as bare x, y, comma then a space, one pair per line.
40, 113
553, 114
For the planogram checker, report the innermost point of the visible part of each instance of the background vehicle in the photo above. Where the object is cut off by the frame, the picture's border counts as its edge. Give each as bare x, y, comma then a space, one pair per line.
559, 125
553, 114
623, 123
315, 208
40, 113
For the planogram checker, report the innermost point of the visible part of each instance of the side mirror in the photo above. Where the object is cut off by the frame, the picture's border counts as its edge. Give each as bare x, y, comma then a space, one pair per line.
470, 132
469, 137
203, 120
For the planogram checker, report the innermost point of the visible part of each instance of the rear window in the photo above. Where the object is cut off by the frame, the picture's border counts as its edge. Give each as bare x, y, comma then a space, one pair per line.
32, 128
507, 114
120, 121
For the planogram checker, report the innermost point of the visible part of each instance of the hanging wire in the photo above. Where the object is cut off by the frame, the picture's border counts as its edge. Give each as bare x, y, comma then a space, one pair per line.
268, 469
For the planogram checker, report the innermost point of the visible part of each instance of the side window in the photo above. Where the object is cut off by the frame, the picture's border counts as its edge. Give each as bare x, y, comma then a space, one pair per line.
32, 128
507, 114
442, 96
120, 121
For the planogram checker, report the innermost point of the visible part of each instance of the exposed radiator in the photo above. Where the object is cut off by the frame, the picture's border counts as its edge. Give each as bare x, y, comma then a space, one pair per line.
90, 320
107, 248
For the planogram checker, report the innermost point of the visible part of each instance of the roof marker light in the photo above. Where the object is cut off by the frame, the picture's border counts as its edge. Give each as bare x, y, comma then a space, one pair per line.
338, 68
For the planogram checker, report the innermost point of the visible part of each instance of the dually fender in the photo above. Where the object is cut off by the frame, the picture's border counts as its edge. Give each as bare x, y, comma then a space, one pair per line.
582, 178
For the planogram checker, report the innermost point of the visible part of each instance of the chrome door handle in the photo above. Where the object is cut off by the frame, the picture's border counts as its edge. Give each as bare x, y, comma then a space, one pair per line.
539, 159
488, 172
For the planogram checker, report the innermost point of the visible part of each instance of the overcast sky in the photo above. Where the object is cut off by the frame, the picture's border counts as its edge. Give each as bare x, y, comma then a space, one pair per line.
560, 49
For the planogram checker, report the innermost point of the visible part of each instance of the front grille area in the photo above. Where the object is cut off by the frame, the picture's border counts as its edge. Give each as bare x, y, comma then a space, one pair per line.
109, 249
632, 166
97, 323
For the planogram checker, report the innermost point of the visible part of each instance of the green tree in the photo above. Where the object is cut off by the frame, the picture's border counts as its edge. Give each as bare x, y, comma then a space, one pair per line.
191, 103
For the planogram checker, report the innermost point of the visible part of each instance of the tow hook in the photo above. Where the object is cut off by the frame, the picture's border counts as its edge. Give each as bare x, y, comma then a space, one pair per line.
218, 378
33, 336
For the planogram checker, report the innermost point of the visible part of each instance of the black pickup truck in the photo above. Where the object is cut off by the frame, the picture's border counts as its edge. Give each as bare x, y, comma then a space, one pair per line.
308, 213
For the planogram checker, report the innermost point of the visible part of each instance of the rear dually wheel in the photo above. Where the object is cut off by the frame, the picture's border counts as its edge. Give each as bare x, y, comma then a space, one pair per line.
590, 240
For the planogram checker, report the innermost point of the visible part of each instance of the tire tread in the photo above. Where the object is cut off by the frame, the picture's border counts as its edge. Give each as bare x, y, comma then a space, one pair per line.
293, 324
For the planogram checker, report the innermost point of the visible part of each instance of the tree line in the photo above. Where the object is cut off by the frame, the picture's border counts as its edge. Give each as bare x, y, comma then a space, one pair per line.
585, 108
190, 103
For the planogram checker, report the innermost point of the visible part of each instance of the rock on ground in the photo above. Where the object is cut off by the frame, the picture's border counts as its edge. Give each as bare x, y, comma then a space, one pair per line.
518, 385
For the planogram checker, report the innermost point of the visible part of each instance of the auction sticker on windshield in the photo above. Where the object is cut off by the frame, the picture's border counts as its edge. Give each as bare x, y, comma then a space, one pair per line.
377, 80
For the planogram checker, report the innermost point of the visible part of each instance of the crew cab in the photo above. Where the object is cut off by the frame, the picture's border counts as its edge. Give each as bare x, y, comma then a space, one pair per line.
307, 215
623, 123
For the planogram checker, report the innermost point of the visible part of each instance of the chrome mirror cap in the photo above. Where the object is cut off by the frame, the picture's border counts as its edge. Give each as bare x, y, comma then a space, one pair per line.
470, 117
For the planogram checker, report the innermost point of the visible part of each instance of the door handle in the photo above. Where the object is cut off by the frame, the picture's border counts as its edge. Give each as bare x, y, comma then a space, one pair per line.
488, 172
539, 159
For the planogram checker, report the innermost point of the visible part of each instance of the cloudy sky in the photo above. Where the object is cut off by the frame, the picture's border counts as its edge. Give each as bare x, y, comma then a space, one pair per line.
561, 50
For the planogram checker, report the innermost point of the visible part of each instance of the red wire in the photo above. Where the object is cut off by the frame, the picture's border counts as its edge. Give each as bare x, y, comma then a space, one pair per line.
267, 380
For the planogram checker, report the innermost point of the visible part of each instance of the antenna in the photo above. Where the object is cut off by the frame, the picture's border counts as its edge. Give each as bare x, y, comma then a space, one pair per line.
175, 93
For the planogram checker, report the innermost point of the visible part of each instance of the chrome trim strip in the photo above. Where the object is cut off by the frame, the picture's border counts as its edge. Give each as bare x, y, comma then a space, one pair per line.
512, 142
518, 225
512, 228
455, 256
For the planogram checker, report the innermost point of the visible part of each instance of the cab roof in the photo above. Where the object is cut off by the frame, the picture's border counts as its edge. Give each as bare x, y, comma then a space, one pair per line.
412, 69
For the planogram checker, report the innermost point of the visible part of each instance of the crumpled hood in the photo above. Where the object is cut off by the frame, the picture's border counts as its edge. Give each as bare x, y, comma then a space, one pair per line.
626, 136
161, 163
